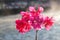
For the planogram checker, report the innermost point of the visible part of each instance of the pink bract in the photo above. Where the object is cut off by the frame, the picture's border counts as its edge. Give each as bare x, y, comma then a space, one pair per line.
48, 22
33, 19
22, 26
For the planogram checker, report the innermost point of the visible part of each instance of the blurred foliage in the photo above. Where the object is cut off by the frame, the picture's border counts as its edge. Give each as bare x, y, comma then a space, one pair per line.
8, 7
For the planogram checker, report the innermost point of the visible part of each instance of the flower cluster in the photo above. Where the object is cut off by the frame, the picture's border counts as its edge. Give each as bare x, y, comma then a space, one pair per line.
33, 19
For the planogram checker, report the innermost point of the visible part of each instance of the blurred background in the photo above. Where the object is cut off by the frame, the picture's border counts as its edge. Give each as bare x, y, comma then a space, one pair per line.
15, 6
9, 12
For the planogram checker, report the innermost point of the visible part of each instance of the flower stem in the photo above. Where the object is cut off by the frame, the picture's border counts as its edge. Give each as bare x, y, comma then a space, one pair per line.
36, 35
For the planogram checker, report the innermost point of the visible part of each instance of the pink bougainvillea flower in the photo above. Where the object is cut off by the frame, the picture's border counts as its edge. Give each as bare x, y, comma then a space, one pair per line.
22, 13
26, 16
48, 22
22, 26
36, 18
32, 9
37, 22
40, 9
35, 12
33, 19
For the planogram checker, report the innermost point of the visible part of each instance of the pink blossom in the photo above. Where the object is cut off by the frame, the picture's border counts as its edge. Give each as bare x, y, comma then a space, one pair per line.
37, 23
40, 10
22, 26
33, 19
48, 22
